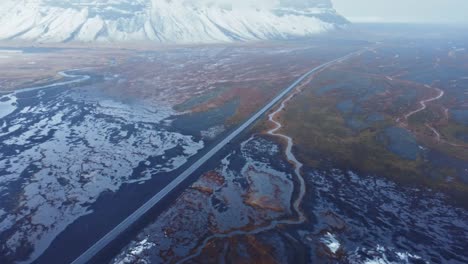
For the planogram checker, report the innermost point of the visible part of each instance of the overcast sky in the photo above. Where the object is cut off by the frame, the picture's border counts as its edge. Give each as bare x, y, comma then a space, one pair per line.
425, 11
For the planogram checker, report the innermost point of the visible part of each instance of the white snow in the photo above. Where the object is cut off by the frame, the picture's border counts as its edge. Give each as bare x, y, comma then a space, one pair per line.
213, 132
137, 250
331, 242
7, 105
90, 29
380, 255
157, 20
82, 155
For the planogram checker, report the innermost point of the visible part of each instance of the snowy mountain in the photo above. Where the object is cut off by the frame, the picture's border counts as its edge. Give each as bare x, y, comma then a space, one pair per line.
166, 21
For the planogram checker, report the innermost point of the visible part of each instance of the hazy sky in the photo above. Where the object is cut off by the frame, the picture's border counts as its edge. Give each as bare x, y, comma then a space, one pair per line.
427, 11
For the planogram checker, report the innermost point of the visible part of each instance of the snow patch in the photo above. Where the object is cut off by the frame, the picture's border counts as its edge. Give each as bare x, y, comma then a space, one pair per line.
213, 132
382, 255
331, 242
8, 104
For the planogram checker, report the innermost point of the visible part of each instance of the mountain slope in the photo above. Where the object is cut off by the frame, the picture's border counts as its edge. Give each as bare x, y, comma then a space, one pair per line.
166, 21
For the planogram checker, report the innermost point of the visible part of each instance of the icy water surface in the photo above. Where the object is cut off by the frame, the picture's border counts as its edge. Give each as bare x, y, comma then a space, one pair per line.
61, 148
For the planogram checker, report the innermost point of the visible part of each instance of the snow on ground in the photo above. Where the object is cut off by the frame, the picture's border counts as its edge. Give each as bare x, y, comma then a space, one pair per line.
162, 20
382, 255
60, 152
331, 242
7, 105
386, 223
213, 132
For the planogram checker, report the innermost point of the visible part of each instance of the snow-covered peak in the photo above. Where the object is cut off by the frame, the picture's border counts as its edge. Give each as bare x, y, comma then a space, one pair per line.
167, 21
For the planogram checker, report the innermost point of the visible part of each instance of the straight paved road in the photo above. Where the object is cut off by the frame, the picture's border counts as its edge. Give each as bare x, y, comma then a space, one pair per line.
114, 233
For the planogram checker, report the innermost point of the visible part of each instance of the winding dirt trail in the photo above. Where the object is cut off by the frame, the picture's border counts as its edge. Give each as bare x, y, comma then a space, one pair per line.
436, 133
290, 156
423, 106
423, 103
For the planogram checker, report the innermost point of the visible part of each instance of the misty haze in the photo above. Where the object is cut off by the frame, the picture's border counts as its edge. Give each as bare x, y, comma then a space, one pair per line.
222, 131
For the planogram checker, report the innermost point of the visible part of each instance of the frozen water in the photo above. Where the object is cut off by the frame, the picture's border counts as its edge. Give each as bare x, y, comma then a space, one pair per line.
62, 150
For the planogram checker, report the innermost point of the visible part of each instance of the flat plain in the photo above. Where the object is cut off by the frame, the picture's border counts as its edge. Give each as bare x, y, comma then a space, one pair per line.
365, 160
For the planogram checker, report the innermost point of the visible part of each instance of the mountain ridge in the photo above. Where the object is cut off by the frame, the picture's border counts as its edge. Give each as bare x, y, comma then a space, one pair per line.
163, 21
